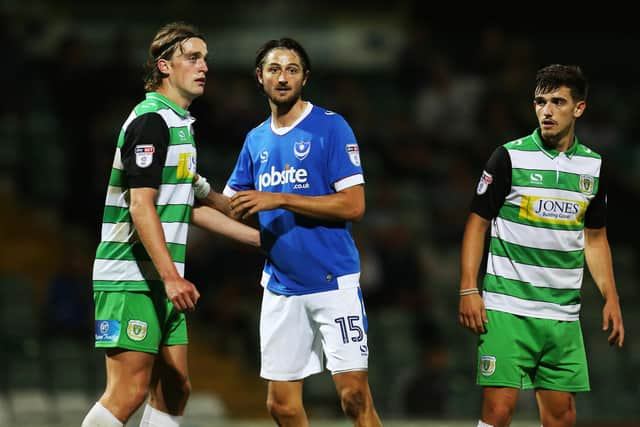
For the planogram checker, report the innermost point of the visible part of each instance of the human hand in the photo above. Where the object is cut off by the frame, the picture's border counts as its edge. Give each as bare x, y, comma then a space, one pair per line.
182, 293
472, 314
246, 203
612, 318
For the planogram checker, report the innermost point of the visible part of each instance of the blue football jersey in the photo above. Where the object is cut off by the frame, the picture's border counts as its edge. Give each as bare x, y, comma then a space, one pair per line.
317, 155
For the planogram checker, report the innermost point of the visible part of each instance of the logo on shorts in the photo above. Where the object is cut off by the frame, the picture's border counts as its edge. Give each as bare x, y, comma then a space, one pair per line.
487, 365
107, 330
137, 330
364, 350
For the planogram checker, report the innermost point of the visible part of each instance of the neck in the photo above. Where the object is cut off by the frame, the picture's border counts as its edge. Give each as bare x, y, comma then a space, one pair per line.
286, 115
174, 96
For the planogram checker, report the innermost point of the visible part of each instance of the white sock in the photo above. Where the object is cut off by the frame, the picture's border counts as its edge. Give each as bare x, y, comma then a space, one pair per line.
99, 416
154, 418
481, 424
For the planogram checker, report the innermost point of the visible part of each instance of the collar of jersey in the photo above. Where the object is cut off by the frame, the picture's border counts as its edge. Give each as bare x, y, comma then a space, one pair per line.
551, 152
156, 96
284, 130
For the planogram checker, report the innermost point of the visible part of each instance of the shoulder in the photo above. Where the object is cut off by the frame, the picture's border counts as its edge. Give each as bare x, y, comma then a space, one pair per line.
526, 143
149, 121
584, 151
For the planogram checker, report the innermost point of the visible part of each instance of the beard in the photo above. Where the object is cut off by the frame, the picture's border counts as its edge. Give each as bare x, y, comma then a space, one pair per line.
287, 101
552, 140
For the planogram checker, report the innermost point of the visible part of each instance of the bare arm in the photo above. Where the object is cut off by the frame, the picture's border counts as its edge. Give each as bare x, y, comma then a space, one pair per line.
217, 222
345, 205
472, 314
598, 256
182, 293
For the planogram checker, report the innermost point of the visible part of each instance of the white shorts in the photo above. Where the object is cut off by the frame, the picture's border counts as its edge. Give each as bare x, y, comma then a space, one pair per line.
295, 332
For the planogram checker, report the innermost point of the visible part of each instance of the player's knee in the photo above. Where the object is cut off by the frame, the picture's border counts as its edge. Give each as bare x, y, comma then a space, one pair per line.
280, 410
565, 417
354, 401
497, 413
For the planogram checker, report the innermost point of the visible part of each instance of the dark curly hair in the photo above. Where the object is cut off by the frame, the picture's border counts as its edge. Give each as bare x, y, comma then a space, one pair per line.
283, 43
554, 76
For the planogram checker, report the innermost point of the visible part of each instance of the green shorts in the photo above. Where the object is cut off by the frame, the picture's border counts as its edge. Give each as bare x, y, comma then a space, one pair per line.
139, 321
527, 352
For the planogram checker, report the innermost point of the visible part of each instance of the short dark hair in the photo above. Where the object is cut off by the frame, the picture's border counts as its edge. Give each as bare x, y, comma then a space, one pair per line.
554, 76
164, 44
283, 43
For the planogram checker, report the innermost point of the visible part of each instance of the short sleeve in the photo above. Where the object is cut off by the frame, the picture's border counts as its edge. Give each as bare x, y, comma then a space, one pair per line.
494, 185
144, 151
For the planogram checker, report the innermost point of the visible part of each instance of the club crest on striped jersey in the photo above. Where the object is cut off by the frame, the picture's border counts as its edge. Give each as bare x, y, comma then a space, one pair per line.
586, 184
301, 149
485, 180
354, 153
487, 365
144, 155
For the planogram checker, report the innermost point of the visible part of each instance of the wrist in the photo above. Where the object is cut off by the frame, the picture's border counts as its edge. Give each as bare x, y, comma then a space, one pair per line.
201, 188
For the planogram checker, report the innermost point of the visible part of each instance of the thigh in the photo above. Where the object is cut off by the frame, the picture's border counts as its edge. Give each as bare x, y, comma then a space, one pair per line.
288, 345
507, 352
126, 320
342, 322
563, 365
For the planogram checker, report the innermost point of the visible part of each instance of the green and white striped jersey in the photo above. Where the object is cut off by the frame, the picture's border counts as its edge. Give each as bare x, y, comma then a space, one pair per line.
536, 255
122, 262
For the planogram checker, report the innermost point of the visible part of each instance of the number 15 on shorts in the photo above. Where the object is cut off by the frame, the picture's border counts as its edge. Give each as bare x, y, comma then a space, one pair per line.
349, 329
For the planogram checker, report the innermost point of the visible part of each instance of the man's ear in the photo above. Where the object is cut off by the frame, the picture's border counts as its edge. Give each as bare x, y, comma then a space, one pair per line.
259, 75
163, 66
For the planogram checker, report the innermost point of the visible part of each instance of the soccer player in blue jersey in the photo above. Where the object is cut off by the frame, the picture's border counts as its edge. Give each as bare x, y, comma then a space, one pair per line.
300, 171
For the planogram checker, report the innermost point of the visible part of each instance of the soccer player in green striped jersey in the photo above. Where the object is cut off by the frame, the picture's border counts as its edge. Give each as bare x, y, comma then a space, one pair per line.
140, 292
544, 199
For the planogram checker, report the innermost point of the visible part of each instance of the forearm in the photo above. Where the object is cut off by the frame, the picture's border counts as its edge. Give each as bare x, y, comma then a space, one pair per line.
217, 201
149, 230
217, 222
472, 250
599, 261
347, 205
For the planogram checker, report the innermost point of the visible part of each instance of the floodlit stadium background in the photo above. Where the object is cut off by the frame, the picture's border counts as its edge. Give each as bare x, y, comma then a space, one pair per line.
428, 101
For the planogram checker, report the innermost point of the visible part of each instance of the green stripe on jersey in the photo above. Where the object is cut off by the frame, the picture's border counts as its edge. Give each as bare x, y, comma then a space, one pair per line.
522, 290
136, 252
168, 213
548, 179
538, 257
128, 285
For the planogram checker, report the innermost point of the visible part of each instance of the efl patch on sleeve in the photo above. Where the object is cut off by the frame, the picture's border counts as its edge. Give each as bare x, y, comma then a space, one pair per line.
485, 180
144, 155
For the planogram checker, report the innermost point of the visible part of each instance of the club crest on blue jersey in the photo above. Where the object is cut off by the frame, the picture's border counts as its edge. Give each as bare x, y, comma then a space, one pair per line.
301, 149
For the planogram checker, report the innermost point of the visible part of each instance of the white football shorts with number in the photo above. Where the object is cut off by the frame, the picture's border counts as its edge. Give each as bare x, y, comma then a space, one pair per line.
297, 330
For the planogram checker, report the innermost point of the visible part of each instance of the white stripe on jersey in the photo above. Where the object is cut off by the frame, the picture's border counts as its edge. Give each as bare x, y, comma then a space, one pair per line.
173, 120
166, 191
543, 310
175, 232
545, 277
114, 270
540, 161
542, 238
